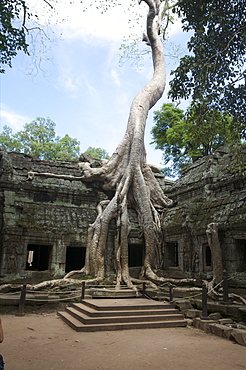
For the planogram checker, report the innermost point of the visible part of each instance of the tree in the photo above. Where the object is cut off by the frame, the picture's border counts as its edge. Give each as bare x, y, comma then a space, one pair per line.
15, 31
12, 38
39, 139
215, 68
97, 153
129, 176
186, 137
126, 175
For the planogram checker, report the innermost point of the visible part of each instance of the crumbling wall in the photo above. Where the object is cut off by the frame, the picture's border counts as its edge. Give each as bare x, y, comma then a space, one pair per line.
208, 192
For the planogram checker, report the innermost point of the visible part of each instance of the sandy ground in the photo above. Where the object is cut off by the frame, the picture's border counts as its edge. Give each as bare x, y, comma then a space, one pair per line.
44, 341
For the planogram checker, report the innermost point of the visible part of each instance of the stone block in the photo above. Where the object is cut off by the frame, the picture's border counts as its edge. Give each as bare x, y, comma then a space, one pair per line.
225, 321
182, 304
191, 313
215, 316
202, 324
219, 330
239, 335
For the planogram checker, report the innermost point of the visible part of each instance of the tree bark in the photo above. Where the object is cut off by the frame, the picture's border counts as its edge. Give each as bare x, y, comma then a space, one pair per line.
214, 244
131, 179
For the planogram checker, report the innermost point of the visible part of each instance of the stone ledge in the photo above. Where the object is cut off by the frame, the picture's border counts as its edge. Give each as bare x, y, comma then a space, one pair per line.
223, 331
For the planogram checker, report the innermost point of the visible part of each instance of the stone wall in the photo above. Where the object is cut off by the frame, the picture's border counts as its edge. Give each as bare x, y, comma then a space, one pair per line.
209, 191
50, 216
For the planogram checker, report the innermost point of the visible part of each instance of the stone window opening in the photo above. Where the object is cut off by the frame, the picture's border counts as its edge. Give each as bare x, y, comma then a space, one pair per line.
38, 257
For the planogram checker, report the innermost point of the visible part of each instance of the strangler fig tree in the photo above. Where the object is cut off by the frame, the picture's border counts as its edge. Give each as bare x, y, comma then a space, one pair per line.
129, 176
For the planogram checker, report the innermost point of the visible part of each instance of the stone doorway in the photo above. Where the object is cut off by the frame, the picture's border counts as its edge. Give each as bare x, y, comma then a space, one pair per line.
172, 250
135, 255
241, 255
75, 258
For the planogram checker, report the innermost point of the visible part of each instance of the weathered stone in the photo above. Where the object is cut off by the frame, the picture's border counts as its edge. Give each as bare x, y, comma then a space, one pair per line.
202, 324
191, 313
217, 329
183, 305
239, 335
225, 321
215, 316
189, 322
55, 213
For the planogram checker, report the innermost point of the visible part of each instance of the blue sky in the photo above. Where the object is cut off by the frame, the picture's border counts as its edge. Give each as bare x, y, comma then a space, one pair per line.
82, 88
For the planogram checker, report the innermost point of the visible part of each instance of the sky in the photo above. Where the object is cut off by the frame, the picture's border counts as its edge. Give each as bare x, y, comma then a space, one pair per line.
80, 84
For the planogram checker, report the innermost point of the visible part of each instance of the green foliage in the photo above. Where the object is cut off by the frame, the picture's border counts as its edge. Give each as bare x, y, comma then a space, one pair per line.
186, 137
12, 32
39, 139
97, 153
215, 68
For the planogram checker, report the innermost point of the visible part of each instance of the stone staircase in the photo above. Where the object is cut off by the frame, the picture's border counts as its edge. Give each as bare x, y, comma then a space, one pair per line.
121, 314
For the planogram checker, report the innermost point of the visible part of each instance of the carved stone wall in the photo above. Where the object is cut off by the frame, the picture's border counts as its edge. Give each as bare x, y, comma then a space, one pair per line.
209, 191
50, 217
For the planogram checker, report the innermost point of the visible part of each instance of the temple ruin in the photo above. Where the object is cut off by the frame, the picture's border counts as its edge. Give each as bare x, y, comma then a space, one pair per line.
44, 222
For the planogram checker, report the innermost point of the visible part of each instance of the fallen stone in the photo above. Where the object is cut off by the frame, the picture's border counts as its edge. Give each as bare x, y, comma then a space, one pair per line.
215, 316
183, 305
225, 321
219, 330
191, 313
189, 322
239, 335
202, 324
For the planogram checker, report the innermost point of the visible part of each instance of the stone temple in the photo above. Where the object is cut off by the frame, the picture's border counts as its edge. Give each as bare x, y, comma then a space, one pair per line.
44, 221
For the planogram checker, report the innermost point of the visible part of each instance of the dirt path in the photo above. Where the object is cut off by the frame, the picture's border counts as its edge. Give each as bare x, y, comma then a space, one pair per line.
44, 342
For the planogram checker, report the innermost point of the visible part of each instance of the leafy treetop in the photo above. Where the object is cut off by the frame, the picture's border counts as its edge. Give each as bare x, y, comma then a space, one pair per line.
214, 70
186, 137
97, 153
39, 139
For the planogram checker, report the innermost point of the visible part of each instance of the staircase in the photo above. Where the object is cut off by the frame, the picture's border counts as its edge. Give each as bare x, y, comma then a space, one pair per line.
121, 314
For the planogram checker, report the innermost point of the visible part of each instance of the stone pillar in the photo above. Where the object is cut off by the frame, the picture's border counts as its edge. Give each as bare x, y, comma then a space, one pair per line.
58, 257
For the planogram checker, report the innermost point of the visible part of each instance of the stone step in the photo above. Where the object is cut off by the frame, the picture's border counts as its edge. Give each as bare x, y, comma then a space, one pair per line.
80, 327
120, 318
125, 304
92, 312
111, 293
121, 314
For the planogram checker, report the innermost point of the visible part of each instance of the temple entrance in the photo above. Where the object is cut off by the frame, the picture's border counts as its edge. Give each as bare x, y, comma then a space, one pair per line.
38, 257
241, 254
75, 258
172, 254
207, 258
135, 255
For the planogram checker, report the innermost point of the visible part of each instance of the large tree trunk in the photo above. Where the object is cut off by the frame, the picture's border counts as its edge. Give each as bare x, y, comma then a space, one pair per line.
129, 175
216, 252
131, 179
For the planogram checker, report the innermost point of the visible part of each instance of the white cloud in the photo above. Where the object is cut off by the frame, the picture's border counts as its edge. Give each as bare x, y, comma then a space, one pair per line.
115, 77
12, 119
86, 21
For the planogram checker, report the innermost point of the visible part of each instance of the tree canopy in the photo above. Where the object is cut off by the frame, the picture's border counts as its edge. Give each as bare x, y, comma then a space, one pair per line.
97, 153
39, 139
214, 69
186, 137
12, 37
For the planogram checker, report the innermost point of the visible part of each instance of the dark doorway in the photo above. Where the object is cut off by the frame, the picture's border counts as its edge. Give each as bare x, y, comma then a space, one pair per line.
172, 254
241, 255
38, 257
135, 255
207, 258
75, 258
